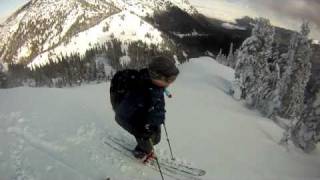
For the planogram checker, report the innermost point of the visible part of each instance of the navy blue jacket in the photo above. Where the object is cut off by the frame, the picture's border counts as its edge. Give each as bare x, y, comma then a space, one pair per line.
144, 104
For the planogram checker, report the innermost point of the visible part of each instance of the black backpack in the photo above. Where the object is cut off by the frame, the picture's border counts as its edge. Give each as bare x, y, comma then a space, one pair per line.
121, 83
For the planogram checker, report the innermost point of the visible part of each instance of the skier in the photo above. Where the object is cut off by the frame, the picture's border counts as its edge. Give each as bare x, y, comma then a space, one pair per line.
137, 98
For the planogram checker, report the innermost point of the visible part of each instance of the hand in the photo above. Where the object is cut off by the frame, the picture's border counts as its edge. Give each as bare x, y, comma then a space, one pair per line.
147, 127
148, 130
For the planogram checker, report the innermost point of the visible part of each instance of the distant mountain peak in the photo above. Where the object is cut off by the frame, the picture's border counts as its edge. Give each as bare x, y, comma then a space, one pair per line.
43, 26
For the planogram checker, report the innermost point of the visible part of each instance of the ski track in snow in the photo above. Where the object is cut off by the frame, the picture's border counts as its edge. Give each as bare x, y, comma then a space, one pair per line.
56, 154
58, 133
45, 147
27, 140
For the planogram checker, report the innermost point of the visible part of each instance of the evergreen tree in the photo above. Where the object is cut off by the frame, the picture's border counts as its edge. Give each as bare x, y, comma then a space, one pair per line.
256, 71
304, 129
306, 132
3, 77
221, 58
101, 75
231, 59
296, 75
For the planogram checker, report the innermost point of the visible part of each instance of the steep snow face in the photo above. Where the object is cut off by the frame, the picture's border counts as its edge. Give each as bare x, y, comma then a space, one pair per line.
40, 26
149, 7
124, 26
186, 6
58, 133
141, 8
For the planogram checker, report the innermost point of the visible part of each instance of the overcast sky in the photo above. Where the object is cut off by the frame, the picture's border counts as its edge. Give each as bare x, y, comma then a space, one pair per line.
284, 13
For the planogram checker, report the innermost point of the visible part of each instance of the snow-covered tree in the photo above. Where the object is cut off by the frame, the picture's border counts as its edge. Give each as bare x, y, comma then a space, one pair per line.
3, 77
221, 58
304, 127
296, 75
306, 132
231, 58
101, 75
256, 70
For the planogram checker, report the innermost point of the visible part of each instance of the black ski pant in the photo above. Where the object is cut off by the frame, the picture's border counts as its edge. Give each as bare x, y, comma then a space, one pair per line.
145, 139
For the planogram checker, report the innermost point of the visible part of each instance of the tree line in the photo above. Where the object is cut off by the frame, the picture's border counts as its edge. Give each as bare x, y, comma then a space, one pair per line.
276, 82
97, 64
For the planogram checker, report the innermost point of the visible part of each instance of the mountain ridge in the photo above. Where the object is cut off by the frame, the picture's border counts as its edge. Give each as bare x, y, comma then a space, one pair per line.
34, 31
41, 26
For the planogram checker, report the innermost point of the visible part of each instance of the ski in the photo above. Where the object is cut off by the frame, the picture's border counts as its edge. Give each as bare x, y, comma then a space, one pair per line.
168, 165
152, 165
165, 162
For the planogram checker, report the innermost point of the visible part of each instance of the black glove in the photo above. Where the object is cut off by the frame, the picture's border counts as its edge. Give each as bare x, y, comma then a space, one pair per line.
148, 130
147, 127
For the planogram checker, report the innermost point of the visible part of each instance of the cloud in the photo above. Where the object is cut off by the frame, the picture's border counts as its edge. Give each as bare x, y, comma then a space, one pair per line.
306, 9
291, 12
284, 13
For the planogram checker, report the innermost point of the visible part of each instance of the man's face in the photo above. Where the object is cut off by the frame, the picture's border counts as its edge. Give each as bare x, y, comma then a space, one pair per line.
163, 82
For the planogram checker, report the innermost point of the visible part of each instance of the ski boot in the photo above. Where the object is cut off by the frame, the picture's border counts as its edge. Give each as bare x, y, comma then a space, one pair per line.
143, 156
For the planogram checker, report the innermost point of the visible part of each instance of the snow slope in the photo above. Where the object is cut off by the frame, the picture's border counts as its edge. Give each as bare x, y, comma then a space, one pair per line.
39, 26
55, 134
125, 26
45, 29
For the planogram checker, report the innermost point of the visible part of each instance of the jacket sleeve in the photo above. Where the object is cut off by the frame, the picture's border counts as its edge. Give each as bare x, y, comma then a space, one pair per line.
156, 111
